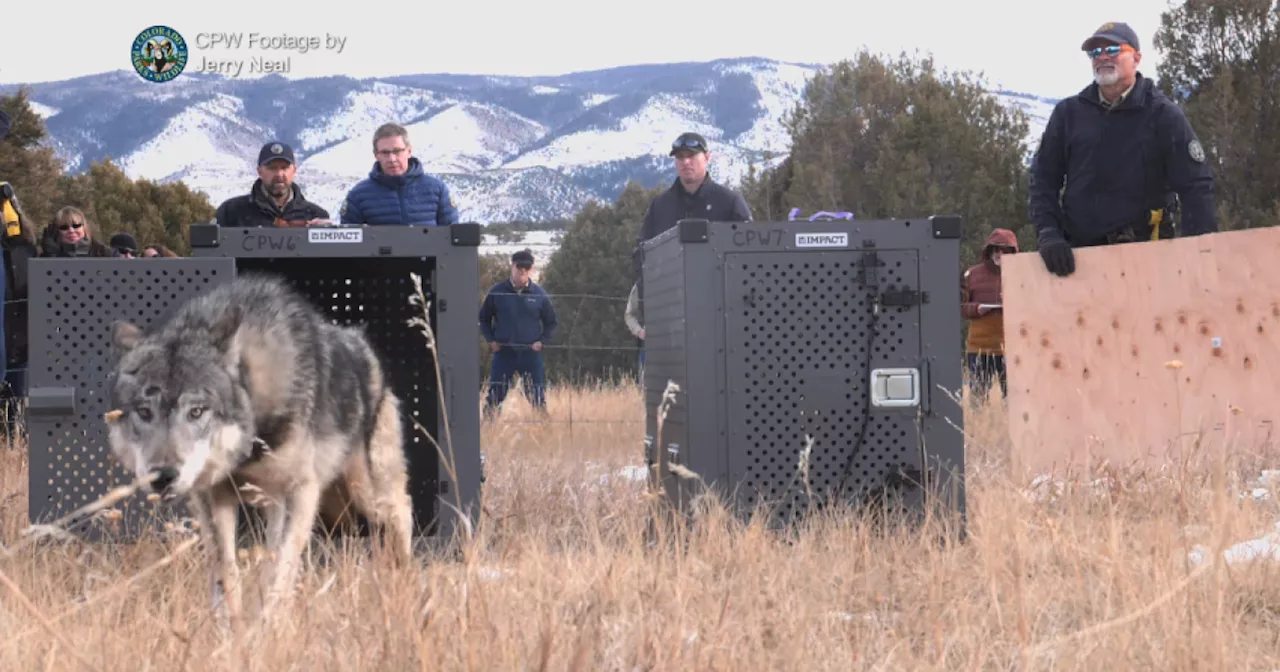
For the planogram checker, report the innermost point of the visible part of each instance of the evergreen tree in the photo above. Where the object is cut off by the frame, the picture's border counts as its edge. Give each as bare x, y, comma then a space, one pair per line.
589, 278
896, 139
494, 268
28, 163
153, 213
1221, 63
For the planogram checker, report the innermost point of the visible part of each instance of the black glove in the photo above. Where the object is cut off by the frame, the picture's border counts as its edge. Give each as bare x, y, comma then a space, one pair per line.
1056, 253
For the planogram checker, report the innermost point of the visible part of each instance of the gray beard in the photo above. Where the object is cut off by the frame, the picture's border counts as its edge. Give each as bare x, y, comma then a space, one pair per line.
1106, 78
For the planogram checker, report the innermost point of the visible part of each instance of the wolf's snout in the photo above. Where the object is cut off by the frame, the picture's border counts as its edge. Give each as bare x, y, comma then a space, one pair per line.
164, 477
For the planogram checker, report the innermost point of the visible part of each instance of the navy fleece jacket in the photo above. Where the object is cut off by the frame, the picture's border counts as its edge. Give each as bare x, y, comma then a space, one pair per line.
518, 317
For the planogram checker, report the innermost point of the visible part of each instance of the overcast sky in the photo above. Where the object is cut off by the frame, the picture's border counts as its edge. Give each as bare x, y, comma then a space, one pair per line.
1006, 39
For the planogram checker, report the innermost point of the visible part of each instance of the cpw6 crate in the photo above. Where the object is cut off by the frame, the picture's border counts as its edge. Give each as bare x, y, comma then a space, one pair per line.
356, 275
844, 333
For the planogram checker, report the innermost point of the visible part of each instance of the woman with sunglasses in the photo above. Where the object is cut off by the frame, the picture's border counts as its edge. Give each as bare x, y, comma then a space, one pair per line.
70, 235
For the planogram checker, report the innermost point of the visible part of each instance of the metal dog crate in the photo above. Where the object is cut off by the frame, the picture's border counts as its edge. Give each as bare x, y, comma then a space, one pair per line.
843, 332
357, 275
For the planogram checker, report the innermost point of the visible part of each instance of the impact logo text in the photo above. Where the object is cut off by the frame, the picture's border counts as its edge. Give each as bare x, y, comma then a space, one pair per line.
335, 235
822, 240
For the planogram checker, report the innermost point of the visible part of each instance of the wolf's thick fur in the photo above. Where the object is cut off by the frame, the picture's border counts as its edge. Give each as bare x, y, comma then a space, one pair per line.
249, 360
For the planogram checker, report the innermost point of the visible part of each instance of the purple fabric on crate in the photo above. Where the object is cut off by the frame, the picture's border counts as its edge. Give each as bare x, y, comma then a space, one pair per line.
833, 215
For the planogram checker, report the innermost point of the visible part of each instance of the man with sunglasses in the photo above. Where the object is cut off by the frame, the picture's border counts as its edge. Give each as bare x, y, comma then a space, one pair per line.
1123, 150
693, 195
517, 319
124, 245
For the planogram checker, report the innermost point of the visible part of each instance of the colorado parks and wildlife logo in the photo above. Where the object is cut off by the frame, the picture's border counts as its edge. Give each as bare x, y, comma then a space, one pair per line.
159, 54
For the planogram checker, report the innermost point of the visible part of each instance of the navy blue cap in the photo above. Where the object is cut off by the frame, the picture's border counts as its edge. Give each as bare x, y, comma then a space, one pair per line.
522, 257
275, 150
1114, 32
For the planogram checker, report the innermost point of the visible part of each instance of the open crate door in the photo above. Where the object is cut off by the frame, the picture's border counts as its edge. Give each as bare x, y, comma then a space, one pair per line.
73, 304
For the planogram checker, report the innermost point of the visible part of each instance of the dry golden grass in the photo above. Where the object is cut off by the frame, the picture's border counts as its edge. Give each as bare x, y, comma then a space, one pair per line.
560, 577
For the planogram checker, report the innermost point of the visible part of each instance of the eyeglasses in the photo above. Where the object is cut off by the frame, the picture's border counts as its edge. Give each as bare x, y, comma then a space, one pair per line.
1110, 50
687, 143
73, 225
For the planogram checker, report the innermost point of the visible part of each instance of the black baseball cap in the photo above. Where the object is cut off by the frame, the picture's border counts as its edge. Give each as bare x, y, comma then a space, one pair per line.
275, 150
1114, 32
124, 241
689, 141
522, 258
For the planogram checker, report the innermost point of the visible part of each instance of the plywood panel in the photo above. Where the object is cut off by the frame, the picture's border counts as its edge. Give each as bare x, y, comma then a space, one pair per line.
1146, 349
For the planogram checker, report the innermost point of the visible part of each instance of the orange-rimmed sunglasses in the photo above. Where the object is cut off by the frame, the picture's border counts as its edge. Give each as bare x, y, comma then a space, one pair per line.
1112, 50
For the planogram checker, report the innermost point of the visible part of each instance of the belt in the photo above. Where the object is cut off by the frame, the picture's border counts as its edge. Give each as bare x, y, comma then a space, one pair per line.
1131, 234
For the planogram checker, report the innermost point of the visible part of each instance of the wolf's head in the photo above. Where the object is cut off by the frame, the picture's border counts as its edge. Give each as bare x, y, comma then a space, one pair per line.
184, 415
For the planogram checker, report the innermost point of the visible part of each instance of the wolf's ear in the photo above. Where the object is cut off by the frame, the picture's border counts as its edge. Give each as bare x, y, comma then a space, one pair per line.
225, 326
124, 337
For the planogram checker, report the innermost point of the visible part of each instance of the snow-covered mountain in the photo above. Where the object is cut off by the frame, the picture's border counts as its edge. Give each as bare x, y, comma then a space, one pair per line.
510, 148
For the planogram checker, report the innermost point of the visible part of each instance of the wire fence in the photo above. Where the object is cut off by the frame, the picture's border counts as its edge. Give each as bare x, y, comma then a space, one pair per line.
618, 402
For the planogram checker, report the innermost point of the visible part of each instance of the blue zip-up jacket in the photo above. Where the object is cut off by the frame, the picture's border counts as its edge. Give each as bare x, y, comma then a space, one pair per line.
415, 199
1117, 165
518, 317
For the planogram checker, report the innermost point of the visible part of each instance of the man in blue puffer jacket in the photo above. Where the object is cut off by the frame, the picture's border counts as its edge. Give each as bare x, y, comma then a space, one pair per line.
398, 190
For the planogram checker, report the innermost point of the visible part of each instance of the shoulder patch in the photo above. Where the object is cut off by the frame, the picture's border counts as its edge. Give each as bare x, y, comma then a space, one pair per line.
1195, 150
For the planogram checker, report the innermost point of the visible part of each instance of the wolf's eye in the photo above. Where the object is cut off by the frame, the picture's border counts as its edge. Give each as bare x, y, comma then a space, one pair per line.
144, 414
195, 413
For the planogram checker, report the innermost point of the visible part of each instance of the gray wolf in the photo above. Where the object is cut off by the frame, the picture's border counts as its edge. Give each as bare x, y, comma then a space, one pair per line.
251, 364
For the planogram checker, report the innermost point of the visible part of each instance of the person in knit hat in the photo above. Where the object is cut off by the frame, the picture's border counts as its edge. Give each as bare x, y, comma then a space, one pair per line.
981, 302
124, 245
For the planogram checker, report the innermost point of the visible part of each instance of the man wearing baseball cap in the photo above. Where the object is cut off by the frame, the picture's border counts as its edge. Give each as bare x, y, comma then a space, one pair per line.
517, 318
692, 195
1123, 150
275, 199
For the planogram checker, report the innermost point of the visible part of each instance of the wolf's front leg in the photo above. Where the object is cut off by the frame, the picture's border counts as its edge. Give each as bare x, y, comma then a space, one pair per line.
218, 511
301, 507
277, 516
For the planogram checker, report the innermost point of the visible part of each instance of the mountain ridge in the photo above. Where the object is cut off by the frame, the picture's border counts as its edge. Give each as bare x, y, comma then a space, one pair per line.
530, 148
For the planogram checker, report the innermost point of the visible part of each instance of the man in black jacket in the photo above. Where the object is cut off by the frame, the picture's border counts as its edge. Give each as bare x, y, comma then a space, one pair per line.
274, 200
1122, 149
693, 195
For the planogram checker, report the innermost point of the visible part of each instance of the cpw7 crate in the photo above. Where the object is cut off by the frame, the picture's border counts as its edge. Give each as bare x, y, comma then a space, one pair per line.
842, 333
356, 275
